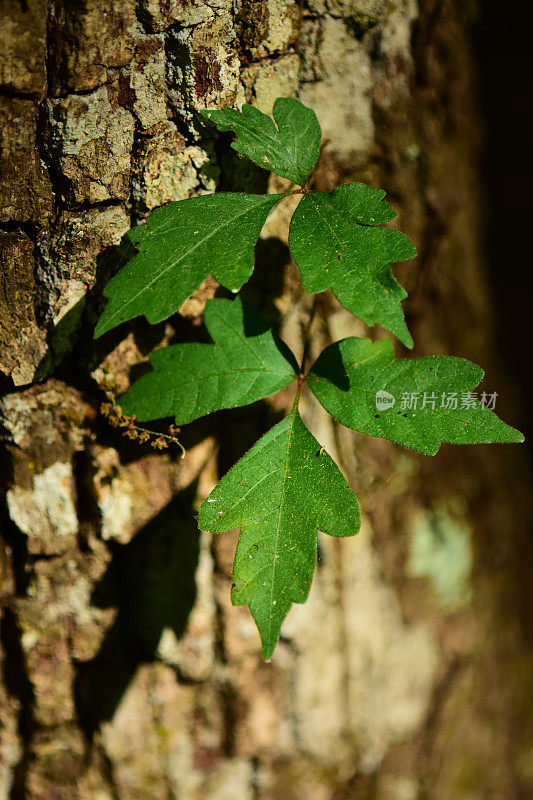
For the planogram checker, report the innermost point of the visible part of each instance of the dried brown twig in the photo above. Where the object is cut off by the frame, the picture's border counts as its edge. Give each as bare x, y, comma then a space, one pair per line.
117, 419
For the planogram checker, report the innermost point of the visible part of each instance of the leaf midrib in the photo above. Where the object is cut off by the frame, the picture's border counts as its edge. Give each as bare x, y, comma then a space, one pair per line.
280, 510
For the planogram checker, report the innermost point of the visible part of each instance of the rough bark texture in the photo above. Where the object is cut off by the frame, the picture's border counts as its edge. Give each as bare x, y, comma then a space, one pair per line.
127, 675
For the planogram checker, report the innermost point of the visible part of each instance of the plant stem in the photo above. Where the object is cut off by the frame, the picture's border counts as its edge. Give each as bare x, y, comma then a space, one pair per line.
306, 337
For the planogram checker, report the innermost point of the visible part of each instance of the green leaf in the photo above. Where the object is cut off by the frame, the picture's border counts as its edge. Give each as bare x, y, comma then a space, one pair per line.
246, 363
280, 494
289, 147
179, 246
336, 243
355, 379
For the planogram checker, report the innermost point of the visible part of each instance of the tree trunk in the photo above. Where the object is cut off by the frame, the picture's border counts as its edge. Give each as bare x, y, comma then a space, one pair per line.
127, 674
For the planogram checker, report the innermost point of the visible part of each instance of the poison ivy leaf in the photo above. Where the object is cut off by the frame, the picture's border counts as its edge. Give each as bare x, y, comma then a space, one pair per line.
287, 145
280, 493
418, 402
246, 362
179, 246
336, 243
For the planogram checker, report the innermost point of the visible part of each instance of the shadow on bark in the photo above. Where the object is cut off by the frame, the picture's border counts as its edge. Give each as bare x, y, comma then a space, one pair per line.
151, 581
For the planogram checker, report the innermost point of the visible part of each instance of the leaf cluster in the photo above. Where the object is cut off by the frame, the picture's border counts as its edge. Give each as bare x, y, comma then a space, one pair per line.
287, 487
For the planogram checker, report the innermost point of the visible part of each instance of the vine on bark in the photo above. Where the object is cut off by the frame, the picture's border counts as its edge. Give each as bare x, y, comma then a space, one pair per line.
287, 487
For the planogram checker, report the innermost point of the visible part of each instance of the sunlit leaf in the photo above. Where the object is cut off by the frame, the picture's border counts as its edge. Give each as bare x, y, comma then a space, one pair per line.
245, 363
287, 145
430, 400
336, 241
284, 490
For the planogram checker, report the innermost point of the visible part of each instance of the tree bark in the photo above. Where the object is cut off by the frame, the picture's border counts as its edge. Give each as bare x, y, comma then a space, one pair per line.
126, 672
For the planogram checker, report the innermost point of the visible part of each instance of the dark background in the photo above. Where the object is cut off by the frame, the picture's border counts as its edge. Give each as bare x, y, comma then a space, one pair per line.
504, 55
